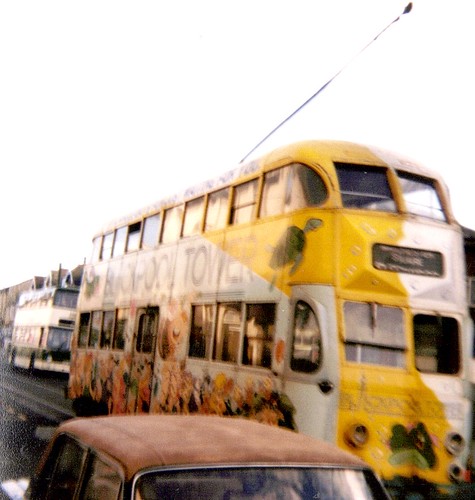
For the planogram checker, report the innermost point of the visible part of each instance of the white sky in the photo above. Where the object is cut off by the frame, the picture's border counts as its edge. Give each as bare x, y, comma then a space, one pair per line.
106, 107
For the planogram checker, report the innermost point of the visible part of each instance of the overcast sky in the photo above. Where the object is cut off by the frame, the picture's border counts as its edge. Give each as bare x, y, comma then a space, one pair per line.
106, 107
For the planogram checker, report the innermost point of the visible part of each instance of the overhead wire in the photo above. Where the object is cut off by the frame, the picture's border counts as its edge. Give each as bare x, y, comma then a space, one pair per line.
407, 9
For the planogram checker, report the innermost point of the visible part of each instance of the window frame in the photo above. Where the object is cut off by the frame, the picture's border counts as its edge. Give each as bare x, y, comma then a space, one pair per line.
216, 209
107, 245
438, 213
202, 335
134, 237
238, 214
172, 224
368, 195
192, 208
372, 345
120, 241
84, 329
302, 364
257, 350
446, 358
149, 341
95, 325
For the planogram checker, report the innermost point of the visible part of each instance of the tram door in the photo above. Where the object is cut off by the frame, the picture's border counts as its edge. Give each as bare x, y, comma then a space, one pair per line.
143, 351
312, 376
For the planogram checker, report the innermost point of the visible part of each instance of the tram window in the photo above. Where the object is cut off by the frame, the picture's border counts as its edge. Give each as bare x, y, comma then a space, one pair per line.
84, 321
420, 196
291, 188
259, 335
273, 192
226, 342
172, 224
364, 187
374, 334
96, 325
436, 343
201, 331
119, 241
307, 340
107, 329
96, 249
151, 229
133, 236
146, 331
193, 217
59, 339
244, 202
217, 211
120, 328
107, 243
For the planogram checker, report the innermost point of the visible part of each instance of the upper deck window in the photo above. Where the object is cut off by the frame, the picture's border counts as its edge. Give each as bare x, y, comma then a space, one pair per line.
291, 188
217, 212
119, 241
107, 243
96, 249
364, 187
172, 224
244, 202
421, 196
151, 229
133, 236
193, 216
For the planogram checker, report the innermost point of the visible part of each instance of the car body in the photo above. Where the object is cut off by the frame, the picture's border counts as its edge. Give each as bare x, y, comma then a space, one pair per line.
173, 456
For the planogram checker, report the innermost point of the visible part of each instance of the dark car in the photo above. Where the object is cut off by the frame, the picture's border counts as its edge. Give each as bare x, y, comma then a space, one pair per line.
193, 457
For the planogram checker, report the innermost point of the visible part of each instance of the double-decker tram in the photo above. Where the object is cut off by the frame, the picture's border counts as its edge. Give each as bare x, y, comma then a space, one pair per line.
43, 327
321, 287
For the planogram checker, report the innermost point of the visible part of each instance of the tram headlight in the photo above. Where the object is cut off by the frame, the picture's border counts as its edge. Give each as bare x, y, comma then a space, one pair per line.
455, 473
357, 435
454, 443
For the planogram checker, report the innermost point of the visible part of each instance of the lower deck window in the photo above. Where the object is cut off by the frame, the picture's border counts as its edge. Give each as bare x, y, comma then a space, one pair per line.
436, 343
375, 334
258, 335
201, 331
240, 333
103, 329
226, 345
374, 355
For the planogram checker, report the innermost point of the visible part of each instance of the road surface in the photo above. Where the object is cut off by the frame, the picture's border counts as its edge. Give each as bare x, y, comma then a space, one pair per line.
31, 406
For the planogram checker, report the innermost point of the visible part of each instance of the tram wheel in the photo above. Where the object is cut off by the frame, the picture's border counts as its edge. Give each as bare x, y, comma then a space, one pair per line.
31, 366
11, 358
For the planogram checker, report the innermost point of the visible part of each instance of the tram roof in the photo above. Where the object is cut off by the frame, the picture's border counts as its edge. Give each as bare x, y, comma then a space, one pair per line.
339, 151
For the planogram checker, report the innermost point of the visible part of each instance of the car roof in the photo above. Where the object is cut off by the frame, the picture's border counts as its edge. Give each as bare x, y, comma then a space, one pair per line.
143, 441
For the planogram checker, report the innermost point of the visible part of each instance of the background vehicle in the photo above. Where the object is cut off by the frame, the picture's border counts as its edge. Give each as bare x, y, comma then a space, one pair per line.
43, 327
320, 288
184, 457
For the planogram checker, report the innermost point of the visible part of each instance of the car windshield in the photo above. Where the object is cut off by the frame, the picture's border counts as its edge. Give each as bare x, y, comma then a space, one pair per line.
259, 482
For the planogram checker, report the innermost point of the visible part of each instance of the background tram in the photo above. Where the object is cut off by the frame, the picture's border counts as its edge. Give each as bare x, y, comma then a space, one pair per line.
42, 331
